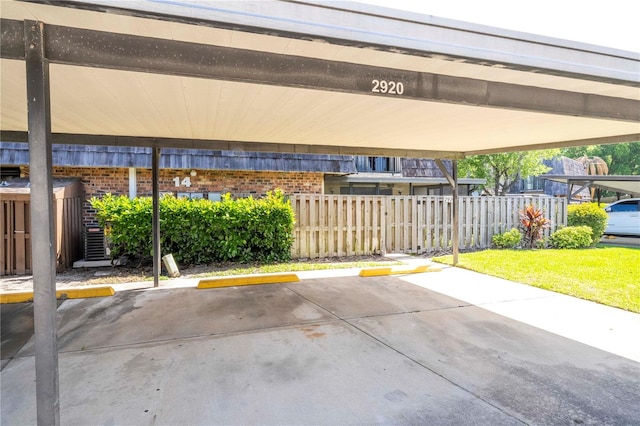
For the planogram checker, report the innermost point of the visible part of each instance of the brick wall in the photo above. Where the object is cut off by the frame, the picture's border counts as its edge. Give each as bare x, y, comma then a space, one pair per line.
99, 181
238, 183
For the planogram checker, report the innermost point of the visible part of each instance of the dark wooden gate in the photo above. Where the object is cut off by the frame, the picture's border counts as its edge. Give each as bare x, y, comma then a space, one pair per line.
15, 225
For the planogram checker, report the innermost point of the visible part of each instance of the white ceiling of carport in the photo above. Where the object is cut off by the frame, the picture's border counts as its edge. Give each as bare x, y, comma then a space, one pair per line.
107, 102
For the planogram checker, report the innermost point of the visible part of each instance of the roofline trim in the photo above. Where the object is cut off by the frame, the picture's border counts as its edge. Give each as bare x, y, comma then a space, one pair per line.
126, 52
292, 28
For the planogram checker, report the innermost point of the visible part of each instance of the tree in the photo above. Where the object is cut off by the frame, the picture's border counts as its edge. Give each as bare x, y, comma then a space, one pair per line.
502, 170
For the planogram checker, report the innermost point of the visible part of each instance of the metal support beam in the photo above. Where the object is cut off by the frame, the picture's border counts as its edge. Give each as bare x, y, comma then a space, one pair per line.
43, 243
452, 178
133, 183
455, 235
155, 165
91, 48
579, 190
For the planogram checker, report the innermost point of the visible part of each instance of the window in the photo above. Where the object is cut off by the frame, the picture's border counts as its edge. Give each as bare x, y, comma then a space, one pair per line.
7, 173
364, 189
625, 206
192, 195
377, 164
533, 183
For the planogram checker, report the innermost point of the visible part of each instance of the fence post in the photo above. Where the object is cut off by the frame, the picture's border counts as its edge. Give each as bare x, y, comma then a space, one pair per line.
384, 208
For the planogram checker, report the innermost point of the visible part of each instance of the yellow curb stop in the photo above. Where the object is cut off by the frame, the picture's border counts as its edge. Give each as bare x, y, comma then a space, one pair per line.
239, 280
71, 293
377, 272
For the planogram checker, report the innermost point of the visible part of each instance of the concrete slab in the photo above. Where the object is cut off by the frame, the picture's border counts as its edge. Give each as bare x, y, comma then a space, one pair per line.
354, 297
324, 374
347, 350
16, 326
529, 373
621, 240
610, 329
132, 317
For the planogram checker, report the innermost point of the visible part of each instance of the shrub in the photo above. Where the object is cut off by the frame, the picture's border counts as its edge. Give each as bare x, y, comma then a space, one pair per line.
588, 214
201, 231
533, 222
507, 240
126, 223
571, 237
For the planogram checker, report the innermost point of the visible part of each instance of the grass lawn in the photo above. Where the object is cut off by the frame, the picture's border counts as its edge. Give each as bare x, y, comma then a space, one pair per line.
607, 275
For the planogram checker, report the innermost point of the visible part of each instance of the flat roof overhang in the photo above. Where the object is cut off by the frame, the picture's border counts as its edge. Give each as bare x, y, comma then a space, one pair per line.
628, 184
327, 77
382, 178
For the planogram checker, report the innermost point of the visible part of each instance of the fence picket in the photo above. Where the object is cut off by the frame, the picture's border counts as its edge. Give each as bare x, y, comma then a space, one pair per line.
343, 225
358, 232
3, 234
340, 201
10, 246
383, 225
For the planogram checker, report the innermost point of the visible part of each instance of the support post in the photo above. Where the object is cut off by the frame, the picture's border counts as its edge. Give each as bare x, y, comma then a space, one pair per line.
133, 184
155, 177
43, 243
455, 234
452, 178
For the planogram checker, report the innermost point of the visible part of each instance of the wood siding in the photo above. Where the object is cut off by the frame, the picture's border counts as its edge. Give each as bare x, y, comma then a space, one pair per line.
15, 229
342, 225
16, 153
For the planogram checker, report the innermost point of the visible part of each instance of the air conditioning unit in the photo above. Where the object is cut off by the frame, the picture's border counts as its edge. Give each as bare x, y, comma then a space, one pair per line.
95, 245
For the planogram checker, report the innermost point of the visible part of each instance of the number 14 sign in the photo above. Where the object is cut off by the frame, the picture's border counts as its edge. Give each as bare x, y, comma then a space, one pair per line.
184, 182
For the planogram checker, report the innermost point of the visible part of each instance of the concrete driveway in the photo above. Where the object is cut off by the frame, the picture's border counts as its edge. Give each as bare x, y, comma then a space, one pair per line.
621, 240
339, 350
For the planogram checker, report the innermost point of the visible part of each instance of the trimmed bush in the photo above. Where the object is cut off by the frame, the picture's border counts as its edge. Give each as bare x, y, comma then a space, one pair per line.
507, 240
201, 231
571, 237
588, 214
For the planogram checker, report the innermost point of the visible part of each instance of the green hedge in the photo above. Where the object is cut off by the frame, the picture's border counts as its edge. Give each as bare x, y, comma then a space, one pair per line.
588, 214
201, 231
507, 240
571, 237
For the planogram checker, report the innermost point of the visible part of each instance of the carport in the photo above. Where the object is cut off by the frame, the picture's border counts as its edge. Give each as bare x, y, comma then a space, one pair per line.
286, 76
629, 184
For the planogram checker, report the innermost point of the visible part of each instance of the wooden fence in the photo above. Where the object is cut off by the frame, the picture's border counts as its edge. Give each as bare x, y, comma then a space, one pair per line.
346, 225
15, 228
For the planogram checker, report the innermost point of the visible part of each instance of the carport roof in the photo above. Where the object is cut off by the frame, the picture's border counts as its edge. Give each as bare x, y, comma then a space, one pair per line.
628, 184
321, 77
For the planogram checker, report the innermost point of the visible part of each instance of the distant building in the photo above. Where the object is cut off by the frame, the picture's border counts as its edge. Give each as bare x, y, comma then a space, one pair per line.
396, 176
532, 185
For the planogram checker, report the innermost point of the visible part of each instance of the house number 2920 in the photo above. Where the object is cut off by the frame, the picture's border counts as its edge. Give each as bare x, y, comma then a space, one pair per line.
182, 182
387, 87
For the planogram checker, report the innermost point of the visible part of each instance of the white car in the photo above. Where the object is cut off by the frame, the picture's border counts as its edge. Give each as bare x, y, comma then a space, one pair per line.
624, 217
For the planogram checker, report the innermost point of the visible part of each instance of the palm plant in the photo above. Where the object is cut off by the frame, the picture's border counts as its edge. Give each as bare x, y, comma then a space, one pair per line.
533, 223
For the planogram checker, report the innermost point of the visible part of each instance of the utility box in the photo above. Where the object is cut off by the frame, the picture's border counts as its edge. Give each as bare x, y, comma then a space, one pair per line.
15, 225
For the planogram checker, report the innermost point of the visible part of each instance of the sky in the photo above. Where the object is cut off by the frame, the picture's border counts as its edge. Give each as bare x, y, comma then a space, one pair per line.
610, 23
